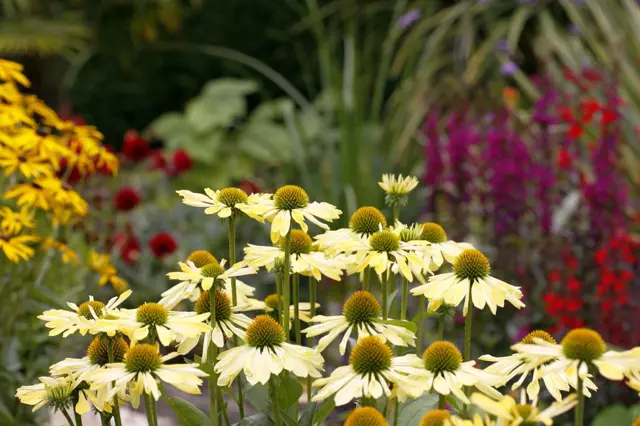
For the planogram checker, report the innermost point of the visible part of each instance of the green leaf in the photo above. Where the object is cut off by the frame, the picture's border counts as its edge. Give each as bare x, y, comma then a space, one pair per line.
205, 147
613, 415
412, 410
422, 316
289, 391
258, 396
5, 416
271, 110
306, 418
225, 88
323, 411
206, 114
400, 323
187, 413
287, 419
634, 410
265, 142
260, 419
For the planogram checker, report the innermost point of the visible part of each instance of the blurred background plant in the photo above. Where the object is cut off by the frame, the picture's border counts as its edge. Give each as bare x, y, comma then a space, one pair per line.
522, 117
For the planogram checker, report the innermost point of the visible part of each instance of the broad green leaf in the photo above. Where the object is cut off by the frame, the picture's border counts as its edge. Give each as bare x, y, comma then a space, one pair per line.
205, 147
323, 411
225, 88
400, 323
187, 413
287, 419
306, 418
266, 142
169, 125
613, 415
258, 397
289, 391
206, 114
271, 110
634, 410
412, 410
259, 419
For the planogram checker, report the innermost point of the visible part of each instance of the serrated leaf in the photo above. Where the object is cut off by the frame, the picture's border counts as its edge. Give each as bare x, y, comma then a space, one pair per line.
323, 411
412, 410
409, 325
187, 413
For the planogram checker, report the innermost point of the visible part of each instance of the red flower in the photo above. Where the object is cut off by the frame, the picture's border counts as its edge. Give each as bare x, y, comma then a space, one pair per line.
181, 161
555, 276
574, 285
126, 199
573, 263
574, 304
158, 162
249, 187
135, 147
591, 75
162, 244
575, 131
568, 74
608, 116
564, 159
601, 256
589, 108
566, 114
130, 250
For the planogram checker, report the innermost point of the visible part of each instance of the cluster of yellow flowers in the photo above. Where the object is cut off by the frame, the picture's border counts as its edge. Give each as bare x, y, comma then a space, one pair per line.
38, 153
259, 350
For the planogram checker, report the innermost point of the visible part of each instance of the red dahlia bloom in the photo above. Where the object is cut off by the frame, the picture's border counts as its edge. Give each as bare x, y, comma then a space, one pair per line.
162, 244
249, 187
126, 199
135, 147
130, 250
181, 161
158, 162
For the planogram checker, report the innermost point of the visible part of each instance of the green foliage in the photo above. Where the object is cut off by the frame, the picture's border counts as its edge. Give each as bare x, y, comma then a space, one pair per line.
617, 415
217, 129
412, 410
187, 413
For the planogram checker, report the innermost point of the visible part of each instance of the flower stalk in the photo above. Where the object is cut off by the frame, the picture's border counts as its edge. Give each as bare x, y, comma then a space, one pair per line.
420, 330
234, 300
313, 284
213, 353
405, 291
274, 400
286, 286
296, 308
116, 402
579, 418
384, 283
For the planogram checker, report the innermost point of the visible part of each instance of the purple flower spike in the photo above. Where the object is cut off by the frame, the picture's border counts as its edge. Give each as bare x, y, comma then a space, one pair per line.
409, 18
508, 68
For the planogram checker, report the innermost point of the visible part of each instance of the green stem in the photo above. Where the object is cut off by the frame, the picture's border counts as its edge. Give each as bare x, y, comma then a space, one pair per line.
312, 296
149, 410
78, 418
366, 285
274, 399
222, 407
286, 286
213, 349
442, 401
154, 410
580, 406
396, 413
234, 300
467, 339
68, 417
405, 291
296, 308
116, 398
396, 212
420, 331
279, 293
383, 284
441, 328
